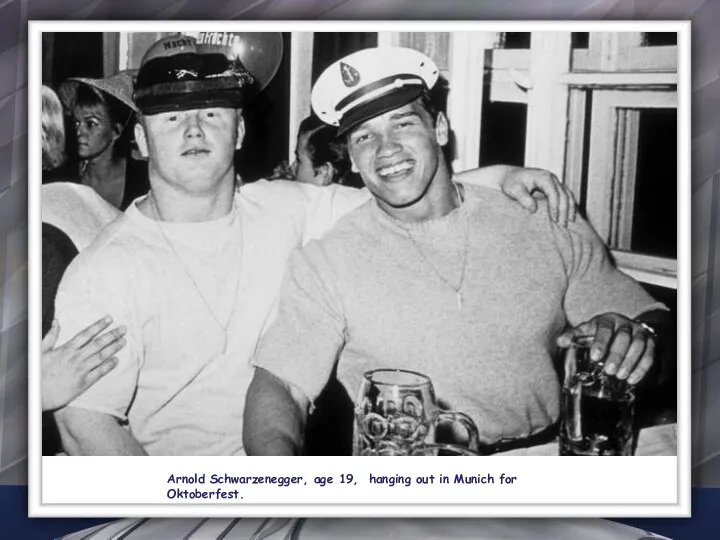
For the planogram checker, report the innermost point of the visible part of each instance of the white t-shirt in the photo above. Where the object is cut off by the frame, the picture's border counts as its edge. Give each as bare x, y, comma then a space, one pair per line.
175, 285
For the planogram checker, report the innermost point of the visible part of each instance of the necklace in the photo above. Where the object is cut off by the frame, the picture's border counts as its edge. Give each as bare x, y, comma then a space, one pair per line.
463, 266
223, 327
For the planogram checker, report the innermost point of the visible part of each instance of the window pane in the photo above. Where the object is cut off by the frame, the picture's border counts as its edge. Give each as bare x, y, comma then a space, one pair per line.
516, 40
580, 40
656, 39
655, 213
503, 133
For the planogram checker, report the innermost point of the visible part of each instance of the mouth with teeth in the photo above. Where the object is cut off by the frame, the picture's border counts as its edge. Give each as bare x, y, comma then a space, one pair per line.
194, 152
396, 170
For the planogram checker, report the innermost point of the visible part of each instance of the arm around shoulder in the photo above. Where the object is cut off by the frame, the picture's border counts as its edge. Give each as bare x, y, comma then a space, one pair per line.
275, 417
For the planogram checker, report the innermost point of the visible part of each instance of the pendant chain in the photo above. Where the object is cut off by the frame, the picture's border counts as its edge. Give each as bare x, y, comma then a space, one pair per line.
463, 268
223, 327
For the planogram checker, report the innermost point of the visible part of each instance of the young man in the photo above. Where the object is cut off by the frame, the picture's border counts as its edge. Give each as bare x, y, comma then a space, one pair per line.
437, 277
193, 270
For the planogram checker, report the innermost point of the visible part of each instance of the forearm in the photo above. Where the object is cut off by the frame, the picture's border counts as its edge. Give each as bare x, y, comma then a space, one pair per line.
665, 327
88, 433
490, 177
275, 417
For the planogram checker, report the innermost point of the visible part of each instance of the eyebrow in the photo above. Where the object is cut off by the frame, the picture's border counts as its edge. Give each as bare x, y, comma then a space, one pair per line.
88, 115
404, 115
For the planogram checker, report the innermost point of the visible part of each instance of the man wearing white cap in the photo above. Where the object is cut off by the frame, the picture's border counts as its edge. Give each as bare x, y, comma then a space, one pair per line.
194, 268
437, 277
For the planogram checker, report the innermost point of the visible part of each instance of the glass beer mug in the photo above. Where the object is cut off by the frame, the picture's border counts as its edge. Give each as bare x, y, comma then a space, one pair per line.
597, 409
396, 414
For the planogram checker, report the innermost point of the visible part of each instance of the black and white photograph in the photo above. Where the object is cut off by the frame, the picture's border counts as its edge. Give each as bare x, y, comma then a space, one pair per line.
356, 243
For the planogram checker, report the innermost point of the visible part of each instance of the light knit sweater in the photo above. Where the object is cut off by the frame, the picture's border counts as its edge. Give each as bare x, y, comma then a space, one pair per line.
370, 295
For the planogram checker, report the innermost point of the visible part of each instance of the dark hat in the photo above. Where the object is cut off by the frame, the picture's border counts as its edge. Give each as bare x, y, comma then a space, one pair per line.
371, 82
206, 69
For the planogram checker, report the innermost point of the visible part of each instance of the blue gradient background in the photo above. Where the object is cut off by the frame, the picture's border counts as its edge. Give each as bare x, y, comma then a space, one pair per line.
14, 14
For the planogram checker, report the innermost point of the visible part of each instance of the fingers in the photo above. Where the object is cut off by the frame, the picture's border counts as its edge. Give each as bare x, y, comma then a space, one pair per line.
619, 350
563, 204
646, 362
113, 339
85, 336
605, 328
572, 210
633, 354
107, 350
50, 338
548, 184
99, 372
525, 200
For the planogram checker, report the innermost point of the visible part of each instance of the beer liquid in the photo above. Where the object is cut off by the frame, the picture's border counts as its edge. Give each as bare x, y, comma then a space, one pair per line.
595, 423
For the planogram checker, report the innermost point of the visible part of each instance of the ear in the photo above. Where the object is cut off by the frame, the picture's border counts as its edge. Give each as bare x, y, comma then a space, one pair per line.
117, 131
353, 167
240, 130
442, 129
141, 139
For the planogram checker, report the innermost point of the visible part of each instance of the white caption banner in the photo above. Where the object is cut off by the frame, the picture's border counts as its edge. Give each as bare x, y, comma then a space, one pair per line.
174, 486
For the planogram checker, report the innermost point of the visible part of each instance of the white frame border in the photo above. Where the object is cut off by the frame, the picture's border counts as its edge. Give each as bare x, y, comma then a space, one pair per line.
682, 509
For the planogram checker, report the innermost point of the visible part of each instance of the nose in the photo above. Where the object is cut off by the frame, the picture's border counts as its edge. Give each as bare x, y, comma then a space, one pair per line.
193, 125
388, 145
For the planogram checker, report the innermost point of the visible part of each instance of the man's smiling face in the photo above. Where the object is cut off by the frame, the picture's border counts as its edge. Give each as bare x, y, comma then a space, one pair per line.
398, 154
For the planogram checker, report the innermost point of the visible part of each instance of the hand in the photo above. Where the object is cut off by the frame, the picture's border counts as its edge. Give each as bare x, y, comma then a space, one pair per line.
69, 370
521, 184
628, 346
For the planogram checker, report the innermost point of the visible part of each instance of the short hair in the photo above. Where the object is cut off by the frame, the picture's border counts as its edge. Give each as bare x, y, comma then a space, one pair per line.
53, 130
428, 101
324, 146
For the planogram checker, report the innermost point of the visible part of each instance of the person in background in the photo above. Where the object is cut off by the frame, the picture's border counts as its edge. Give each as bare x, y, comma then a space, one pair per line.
321, 157
439, 277
103, 116
53, 130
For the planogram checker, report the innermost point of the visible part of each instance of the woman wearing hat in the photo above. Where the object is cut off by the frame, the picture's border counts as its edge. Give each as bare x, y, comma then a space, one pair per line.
103, 114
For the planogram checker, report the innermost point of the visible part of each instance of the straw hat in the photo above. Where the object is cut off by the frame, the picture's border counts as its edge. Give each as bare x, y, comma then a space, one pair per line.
119, 86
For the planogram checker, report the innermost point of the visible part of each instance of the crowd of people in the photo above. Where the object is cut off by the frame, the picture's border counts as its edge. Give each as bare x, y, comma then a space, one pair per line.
186, 312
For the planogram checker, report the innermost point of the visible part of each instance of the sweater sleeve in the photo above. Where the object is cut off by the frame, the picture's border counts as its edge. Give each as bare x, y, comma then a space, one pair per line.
304, 342
595, 284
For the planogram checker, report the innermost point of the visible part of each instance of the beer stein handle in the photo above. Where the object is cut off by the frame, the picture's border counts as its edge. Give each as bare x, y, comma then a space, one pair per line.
466, 422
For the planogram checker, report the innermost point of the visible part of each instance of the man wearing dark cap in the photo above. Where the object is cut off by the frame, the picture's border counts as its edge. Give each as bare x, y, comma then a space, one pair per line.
194, 268
436, 277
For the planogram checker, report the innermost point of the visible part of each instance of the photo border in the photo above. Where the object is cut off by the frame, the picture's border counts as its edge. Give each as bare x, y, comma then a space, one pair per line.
38, 509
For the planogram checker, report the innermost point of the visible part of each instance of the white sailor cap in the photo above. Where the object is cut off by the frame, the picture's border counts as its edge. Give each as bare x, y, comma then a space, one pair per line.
371, 82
